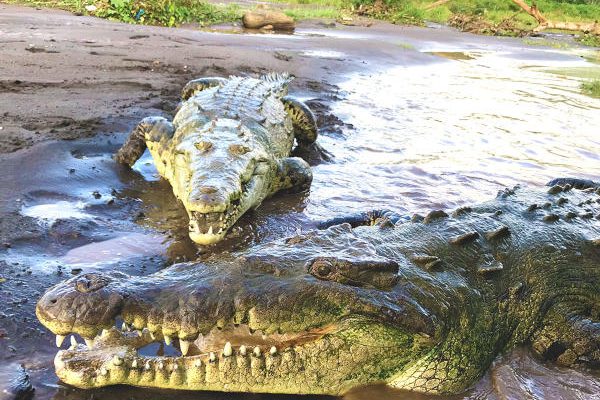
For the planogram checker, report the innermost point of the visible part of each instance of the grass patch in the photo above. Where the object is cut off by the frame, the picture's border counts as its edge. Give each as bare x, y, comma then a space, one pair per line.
591, 88
546, 43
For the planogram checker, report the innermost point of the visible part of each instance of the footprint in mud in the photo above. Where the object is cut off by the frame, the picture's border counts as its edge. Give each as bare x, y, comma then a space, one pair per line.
135, 37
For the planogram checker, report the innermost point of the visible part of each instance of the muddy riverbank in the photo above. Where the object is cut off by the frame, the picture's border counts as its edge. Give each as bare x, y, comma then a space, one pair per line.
428, 117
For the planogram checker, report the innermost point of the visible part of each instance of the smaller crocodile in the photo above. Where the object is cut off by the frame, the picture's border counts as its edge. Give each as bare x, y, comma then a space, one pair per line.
227, 148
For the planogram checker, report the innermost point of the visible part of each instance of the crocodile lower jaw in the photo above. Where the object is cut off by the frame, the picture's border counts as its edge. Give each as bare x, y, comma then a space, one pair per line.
219, 360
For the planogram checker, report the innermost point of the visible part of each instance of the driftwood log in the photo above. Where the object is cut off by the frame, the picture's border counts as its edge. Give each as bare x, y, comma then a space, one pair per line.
260, 19
543, 23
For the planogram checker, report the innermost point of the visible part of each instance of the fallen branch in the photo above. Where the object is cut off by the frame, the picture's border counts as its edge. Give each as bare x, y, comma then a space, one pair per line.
543, 23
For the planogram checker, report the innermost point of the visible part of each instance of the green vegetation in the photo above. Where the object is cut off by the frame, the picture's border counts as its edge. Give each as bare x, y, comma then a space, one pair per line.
151, 12
480, 16
591, 88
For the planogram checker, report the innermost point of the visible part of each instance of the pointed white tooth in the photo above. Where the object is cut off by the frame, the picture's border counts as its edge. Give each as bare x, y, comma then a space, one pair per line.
89, 343
134, 364
117, 360
73, 341
227, 350
59, 340
147, 365
197, 363
168, 340
161, 365
103, 371
256, 351
152, 336
104, 333
210, 231
212, 357
273, 350
139, 332
243, 350
175, 367
184, 346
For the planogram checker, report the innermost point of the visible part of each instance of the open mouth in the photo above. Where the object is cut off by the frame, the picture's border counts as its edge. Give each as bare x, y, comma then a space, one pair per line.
210, 227
125, 356
238, 339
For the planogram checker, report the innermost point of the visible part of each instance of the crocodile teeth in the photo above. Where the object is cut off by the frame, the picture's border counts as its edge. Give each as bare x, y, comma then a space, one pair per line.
197, 363
59, 340
147, 365
184, 346
104, 333
210, 231
103, 371
273, 350
168, 340
89, 343
134, 364
256, 351
243, 350
73, 341
227, 350
152, 336
161, 365
212, 357
124, 327
117, 361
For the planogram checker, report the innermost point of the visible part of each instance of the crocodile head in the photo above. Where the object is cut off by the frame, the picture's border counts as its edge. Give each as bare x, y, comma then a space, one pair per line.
219, 171
317, 313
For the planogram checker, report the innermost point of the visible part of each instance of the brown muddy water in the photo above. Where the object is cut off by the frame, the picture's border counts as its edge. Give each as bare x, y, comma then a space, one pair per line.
448, 119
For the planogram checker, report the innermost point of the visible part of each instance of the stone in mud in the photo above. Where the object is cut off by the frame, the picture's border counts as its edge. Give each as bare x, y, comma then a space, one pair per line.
260, 19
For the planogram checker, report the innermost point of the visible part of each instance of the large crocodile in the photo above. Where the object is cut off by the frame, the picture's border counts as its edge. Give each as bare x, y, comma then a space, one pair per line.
423, 305
228, 148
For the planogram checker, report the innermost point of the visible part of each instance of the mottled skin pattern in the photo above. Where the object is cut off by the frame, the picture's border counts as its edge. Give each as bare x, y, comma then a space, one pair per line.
227, 148
424, 305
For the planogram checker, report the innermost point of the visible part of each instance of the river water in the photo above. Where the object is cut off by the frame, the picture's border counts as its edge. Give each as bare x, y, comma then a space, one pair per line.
441, 125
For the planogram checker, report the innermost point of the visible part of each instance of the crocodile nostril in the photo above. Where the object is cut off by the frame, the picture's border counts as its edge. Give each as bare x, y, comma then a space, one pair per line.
53, 301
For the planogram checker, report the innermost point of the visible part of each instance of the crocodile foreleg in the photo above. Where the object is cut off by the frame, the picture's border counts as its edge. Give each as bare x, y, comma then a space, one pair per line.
151, 129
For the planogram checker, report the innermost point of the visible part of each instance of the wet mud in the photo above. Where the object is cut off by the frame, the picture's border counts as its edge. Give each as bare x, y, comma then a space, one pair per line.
413, 118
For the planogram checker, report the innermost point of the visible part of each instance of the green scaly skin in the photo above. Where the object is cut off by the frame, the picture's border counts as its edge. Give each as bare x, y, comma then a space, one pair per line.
424, 305
227, 149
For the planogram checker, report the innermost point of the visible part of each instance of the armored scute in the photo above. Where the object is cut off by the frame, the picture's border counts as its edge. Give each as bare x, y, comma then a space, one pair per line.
423, 305
228, 148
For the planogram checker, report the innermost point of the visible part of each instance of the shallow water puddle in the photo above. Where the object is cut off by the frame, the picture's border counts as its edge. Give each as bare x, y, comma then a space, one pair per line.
123, 247
50, 212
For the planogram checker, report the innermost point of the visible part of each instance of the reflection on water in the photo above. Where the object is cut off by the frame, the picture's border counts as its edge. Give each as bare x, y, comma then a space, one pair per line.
125, 246
48, 213
444, 134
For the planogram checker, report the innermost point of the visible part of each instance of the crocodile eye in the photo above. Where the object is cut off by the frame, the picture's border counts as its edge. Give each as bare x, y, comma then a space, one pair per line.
321, 268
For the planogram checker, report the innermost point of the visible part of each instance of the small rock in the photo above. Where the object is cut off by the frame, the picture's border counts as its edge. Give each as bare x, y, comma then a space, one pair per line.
76, 271
261, 19
96, 194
